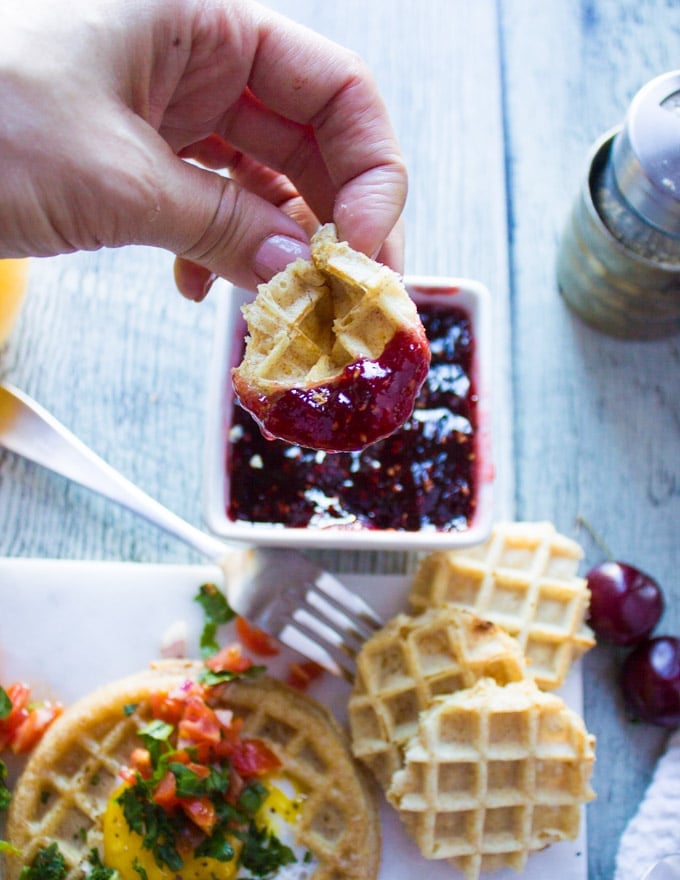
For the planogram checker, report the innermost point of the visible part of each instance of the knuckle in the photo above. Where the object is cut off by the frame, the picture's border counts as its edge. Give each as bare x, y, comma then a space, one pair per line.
224, 228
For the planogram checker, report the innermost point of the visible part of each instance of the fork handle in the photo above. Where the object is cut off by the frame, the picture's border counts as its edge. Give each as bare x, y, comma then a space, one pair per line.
30, 431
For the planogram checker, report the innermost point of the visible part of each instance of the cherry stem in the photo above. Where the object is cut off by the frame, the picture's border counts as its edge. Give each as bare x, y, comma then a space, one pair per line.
599, 540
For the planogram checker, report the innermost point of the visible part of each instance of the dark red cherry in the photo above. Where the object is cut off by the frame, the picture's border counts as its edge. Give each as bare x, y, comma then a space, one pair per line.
625, 603
650, 679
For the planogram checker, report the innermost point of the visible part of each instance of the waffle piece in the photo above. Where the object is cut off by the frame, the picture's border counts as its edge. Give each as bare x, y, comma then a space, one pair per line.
336, 352
524, 578
406, 664
493, 774
64, 790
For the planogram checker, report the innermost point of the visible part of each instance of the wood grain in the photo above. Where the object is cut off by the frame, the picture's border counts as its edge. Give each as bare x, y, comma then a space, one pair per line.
597, 420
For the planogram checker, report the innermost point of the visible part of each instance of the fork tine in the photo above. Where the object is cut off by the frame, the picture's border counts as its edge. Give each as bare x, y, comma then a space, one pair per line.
308, 609
355, 629
308, 642
335, 639
350, 601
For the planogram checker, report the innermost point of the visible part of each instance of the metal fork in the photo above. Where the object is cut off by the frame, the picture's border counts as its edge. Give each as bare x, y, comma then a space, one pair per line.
278, 590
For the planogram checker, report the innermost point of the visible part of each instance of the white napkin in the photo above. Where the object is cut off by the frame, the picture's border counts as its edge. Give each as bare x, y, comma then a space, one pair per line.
654, 831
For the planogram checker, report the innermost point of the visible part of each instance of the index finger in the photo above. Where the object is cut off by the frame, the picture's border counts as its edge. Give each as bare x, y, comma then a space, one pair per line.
309, 79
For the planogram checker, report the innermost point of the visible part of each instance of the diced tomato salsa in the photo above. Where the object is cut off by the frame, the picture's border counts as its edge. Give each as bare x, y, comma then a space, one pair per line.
204, 737
24, 725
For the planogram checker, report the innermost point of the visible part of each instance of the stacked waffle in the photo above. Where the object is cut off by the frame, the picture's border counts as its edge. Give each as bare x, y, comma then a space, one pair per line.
449, 708
524, 578
409, 662
63, 794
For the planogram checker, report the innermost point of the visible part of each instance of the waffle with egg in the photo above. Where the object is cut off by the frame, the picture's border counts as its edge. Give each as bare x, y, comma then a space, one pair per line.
407, 663
66, 786
493, 774
315, 319
524, 578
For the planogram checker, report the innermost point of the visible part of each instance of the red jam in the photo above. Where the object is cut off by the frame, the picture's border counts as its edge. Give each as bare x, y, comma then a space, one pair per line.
421, 477
369, 400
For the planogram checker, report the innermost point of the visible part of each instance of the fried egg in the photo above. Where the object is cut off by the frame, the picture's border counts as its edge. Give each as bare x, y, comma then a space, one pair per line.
278, 814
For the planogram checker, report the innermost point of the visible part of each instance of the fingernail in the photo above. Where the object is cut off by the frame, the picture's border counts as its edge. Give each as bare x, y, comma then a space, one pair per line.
276, 252
209, 281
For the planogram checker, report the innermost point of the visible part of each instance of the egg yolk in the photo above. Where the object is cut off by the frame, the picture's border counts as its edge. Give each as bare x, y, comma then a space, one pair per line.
280, 810
278, 813
123, 849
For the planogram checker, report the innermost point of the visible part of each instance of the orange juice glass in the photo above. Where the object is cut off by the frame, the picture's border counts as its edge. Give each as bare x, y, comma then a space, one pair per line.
13, 281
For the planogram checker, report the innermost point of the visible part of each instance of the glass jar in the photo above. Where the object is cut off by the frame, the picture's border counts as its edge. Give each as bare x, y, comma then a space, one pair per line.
13, 282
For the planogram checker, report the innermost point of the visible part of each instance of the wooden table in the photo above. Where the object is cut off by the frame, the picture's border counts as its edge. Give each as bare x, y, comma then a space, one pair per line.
495, 105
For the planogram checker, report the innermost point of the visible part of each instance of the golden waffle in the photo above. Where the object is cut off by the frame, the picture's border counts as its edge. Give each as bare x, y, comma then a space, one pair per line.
63, 792
524, 578
493, 774
314, 320
407, 663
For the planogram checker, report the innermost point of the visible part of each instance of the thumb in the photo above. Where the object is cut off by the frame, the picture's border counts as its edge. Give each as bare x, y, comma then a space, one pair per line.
216, 227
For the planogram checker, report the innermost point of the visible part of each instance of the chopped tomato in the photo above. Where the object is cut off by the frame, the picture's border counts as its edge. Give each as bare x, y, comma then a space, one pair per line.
255, 639
236, 786
200, 770
300, 675
30, 731
201, 811
140, 760
19, 695
166, 708
169, 707
199, 724
127, 774
23, 727
229, 659
165, 794
253, 757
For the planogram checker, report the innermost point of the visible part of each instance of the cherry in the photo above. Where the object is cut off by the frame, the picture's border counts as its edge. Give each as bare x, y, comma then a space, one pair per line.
650, 679
625, 603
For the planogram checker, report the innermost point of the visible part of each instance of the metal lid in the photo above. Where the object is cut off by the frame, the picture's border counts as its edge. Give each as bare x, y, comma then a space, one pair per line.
646, 153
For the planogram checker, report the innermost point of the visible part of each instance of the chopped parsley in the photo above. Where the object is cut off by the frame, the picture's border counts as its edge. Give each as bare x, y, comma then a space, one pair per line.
210, 678
156, 735
5, 703
5, 795
98, 870
157, 829
263, 853
5, 798
139, 869
206, 783
48, 864
217, 612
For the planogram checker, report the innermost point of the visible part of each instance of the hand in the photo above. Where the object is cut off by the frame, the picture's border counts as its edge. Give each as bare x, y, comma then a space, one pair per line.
104, 100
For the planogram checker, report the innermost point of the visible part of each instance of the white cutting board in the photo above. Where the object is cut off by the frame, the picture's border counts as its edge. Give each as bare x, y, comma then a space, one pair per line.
67, 627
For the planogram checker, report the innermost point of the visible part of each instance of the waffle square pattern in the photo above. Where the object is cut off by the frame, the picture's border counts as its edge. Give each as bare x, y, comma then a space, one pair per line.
524, 578
493, 774
409, 662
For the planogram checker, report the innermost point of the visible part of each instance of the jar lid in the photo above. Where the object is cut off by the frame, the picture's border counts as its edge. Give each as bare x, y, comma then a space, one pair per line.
646, 153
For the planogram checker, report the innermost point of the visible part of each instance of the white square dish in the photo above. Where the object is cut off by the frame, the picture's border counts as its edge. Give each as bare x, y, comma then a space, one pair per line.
467, 296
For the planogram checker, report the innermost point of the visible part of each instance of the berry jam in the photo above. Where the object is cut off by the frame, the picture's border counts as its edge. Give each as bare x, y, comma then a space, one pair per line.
421, 477
367, 401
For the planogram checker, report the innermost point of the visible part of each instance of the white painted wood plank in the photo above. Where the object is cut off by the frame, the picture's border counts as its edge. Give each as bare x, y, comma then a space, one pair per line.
107, 344
597, 420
